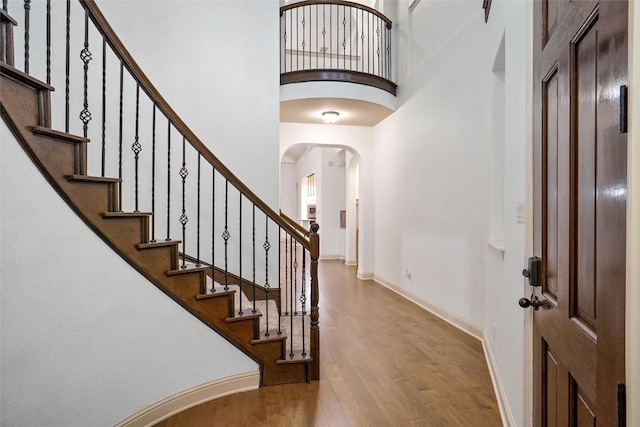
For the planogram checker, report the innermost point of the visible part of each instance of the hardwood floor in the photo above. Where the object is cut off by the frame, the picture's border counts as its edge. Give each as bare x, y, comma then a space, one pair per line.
384, 362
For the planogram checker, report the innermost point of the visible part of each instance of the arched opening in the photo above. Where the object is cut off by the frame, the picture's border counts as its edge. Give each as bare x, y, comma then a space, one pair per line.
321, 182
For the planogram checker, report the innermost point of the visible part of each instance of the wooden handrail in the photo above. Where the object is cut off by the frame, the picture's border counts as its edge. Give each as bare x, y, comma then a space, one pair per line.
145, 84
295, 225
339, 3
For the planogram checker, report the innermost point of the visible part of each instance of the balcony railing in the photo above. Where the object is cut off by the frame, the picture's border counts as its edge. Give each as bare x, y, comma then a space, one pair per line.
334, 40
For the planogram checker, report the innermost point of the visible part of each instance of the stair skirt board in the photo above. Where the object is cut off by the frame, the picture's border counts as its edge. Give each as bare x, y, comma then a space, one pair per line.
184, 400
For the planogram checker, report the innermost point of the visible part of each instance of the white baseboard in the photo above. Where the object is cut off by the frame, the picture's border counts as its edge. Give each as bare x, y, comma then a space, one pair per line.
501, 396
177, 403
351, 262
330, 256
365, 275
449, 317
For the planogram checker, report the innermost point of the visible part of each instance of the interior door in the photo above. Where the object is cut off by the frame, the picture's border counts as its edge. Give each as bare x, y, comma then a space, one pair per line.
580, 192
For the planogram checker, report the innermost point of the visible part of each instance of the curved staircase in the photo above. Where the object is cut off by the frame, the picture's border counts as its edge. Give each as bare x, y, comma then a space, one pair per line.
62, 158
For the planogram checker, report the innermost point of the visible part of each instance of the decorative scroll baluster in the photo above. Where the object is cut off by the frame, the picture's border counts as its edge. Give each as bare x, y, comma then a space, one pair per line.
136, 147
304, 23
344, 35
226, 235
295, 275
27, 10
183, 218
291, 308
267, 287
168, 180
153, 174
303, 297
85, 56
314, 254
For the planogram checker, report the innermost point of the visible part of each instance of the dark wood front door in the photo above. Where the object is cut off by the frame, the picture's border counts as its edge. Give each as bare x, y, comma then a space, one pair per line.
580, 193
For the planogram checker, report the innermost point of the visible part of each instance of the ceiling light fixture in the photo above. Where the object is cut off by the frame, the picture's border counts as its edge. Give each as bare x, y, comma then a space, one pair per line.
330, 116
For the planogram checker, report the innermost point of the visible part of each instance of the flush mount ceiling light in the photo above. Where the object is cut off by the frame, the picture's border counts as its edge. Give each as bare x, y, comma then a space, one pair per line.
330, 116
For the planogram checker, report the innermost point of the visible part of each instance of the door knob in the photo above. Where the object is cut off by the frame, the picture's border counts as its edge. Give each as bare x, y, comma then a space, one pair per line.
533, 302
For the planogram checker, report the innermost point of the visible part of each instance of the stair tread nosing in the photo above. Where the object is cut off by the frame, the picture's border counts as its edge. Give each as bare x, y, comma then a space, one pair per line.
158, 244
90, 178
59, 135
108, 215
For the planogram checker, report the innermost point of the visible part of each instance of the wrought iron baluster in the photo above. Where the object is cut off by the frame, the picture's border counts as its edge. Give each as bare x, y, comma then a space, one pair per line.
153, 174
286, 275
104, 106
183, 218
198, 217
295, 275
303, 298
240, 250
378, 41
68, 71
267, 287
253, 228
120, 133
226, 235
213, 227
136, 147
27, 10
280, 278
168, 180
324, 37
48, 42
304, 22
85, 56
291, 309
344, 35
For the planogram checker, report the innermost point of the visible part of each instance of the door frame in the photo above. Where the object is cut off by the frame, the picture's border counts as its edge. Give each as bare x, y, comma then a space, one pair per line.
633, 223
632, 323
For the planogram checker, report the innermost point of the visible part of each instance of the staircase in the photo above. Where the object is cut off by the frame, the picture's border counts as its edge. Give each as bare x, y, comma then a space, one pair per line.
263, 327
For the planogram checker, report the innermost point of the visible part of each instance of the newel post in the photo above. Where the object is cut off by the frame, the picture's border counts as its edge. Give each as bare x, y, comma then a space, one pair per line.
314, 239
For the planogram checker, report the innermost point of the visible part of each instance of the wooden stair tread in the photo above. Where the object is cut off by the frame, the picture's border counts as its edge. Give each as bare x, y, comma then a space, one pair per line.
187, 270
158, 244
214, 295
89, 178
108, 215
296, 358
59, 135
244, 316
273, 336
25, 79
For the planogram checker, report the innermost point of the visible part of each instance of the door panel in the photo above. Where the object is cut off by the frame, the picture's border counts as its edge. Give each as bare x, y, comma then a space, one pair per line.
580, 51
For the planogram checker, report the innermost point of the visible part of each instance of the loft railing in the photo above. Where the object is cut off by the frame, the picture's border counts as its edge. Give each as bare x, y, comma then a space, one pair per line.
335, 40
102, 94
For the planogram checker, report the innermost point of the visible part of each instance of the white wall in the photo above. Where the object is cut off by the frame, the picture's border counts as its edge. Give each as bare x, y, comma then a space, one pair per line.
230, 54
442, 158
86, 341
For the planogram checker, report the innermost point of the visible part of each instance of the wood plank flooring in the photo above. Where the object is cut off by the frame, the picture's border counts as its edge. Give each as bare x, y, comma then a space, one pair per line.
384, 362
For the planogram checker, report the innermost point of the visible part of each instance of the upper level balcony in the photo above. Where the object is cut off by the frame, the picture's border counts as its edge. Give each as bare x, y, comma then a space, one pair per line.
335, 41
